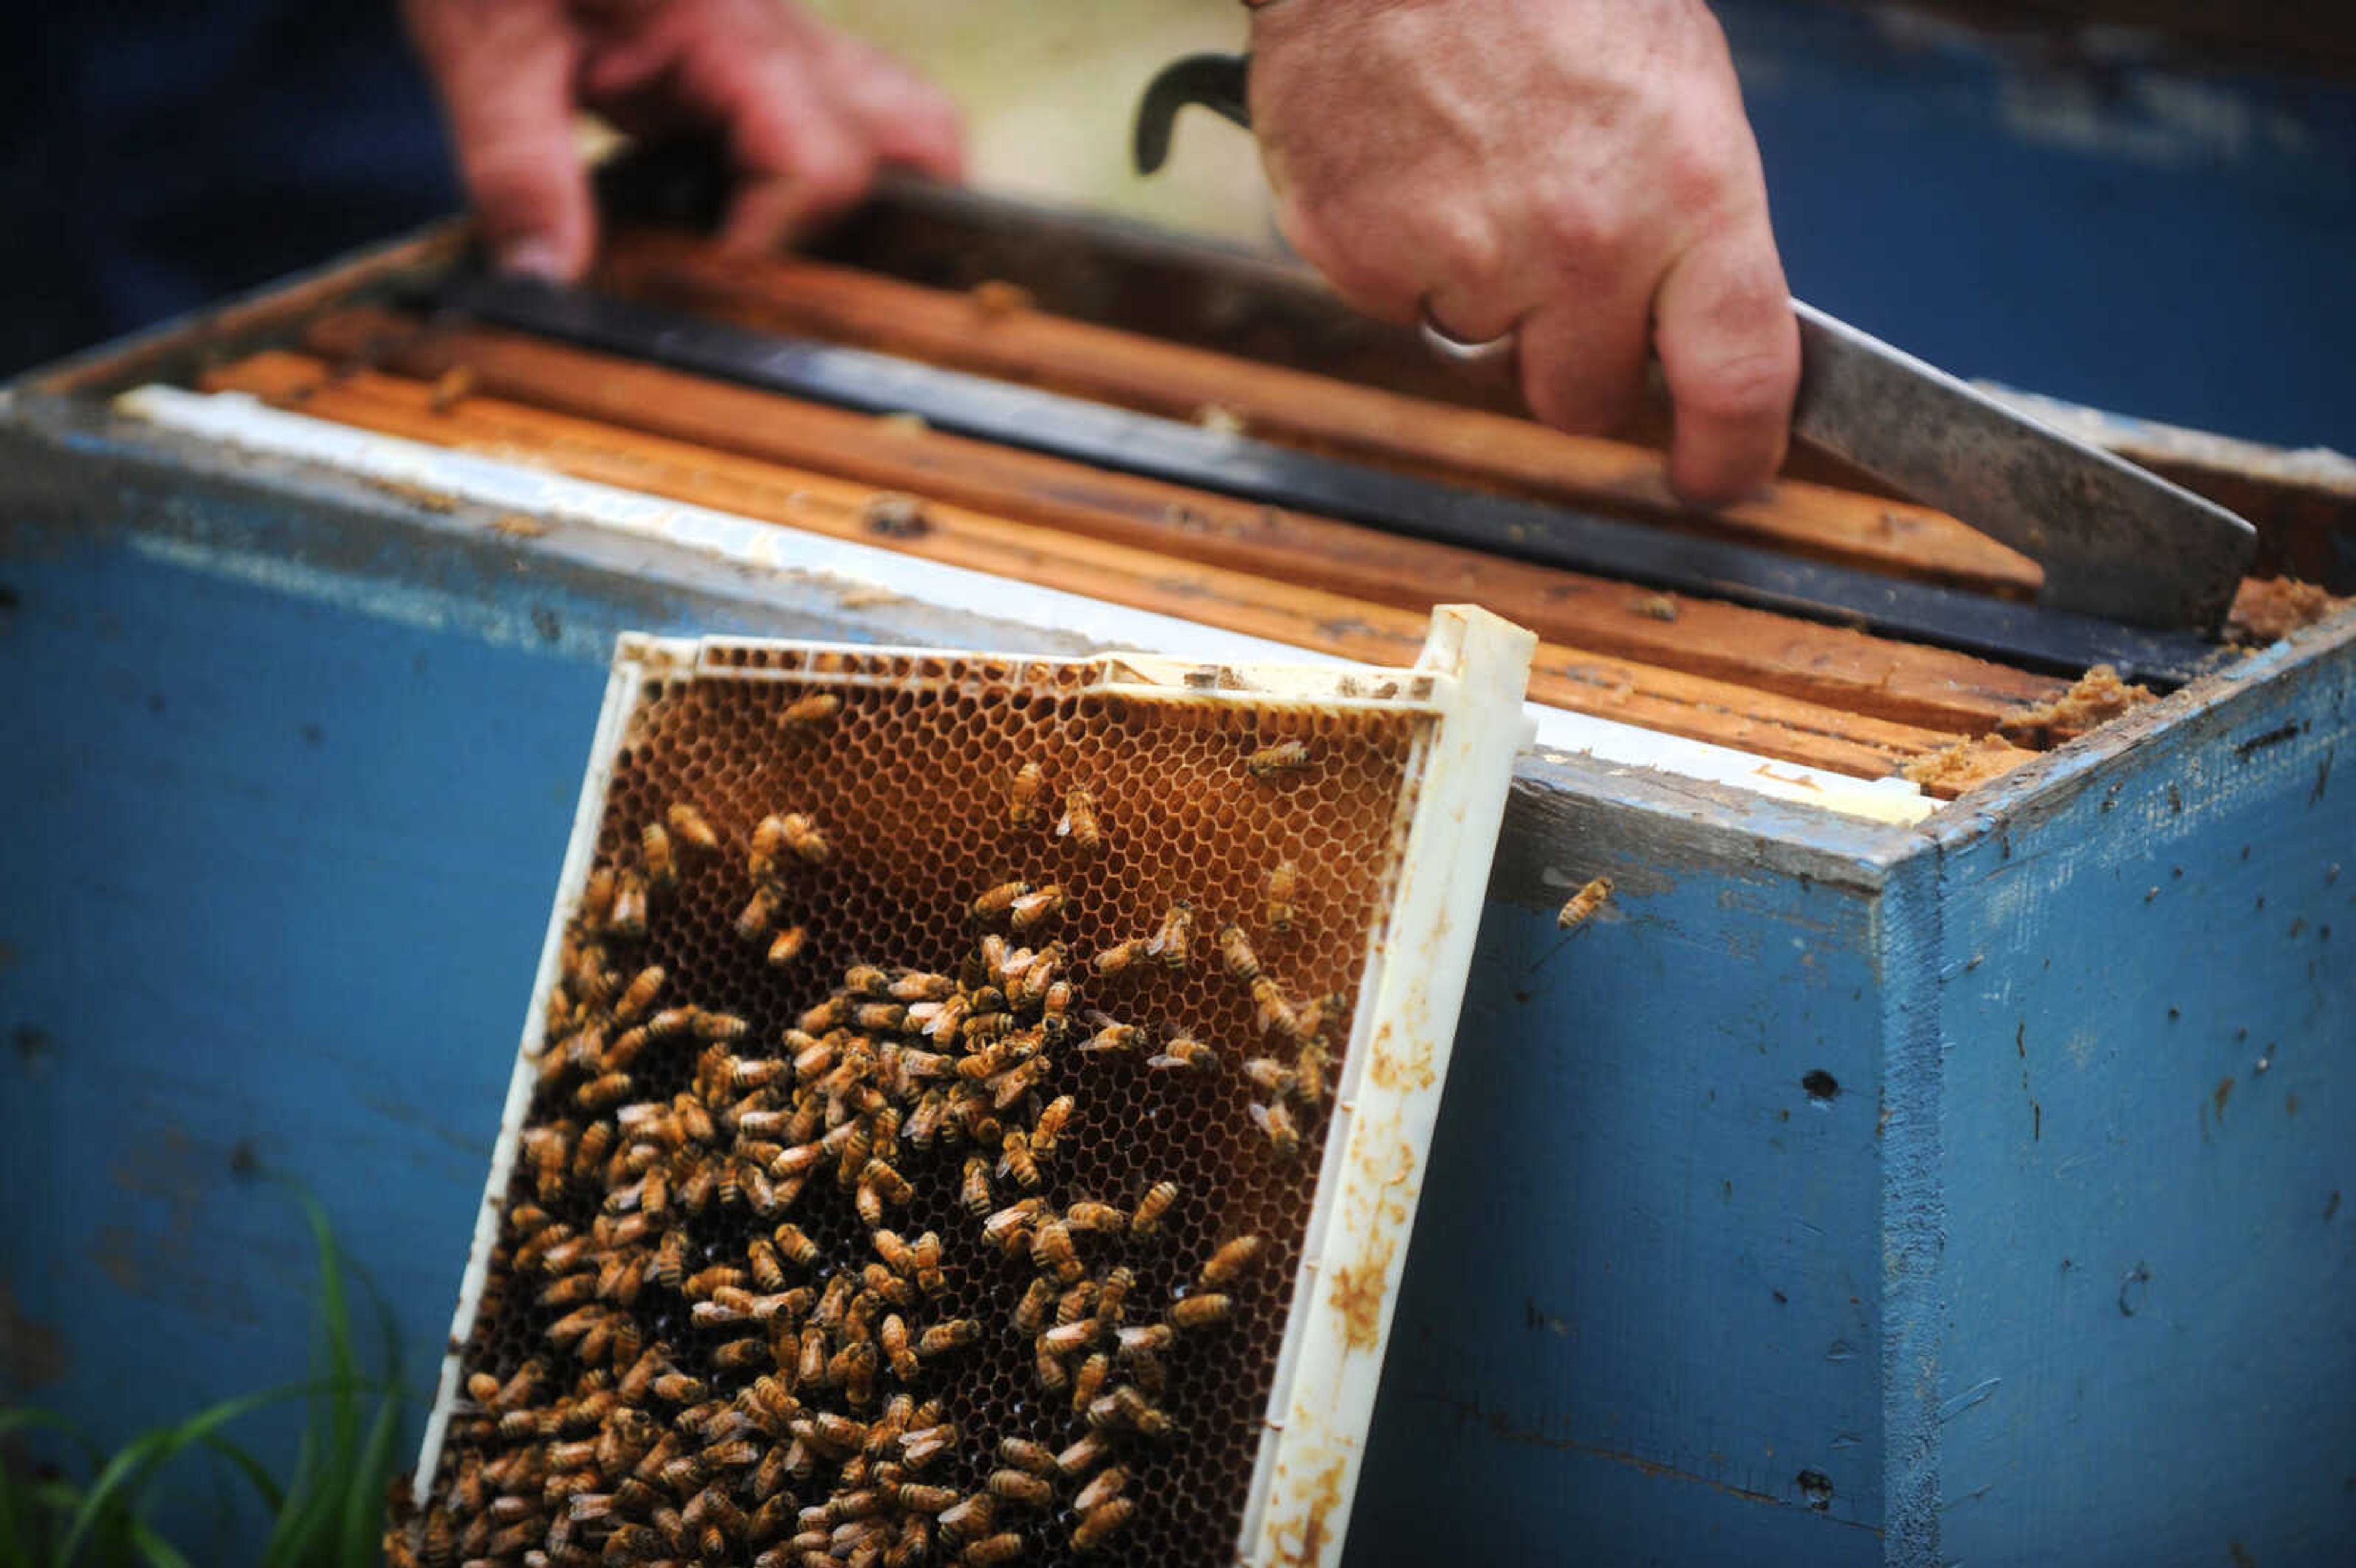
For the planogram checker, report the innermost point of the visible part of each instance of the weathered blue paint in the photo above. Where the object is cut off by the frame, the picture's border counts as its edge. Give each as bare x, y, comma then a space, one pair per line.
2083, 220
1646, 1262
2149, 1293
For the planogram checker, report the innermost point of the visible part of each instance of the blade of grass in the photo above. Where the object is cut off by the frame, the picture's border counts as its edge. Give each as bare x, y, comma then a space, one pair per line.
137, 1461
273, 1496
154, 1549
364, 1497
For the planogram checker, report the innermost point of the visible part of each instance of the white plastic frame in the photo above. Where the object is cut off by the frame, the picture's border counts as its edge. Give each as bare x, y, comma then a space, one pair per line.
1470, 678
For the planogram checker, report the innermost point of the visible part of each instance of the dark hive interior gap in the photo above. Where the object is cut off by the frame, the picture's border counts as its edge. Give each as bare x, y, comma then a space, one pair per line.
911, 779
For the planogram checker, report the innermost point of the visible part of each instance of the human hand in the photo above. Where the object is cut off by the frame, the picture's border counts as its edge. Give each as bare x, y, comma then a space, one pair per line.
1577, 172
808, 114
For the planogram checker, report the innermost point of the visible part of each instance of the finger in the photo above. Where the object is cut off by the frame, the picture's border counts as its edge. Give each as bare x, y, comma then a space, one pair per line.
799, 160
906, 120
1730, 350
1583, 358
504, 73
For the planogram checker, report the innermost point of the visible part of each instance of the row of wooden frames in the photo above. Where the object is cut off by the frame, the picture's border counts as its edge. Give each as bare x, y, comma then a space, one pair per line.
1774, 686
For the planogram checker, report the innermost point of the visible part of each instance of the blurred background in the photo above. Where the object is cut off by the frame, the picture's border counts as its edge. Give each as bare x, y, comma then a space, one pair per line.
2151, 219
2155, 220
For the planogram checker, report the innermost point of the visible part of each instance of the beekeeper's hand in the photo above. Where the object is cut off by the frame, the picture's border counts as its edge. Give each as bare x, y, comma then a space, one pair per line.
807, 113
1577, 173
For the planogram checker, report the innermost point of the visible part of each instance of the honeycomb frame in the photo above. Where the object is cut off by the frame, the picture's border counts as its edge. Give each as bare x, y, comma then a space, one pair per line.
1459, 713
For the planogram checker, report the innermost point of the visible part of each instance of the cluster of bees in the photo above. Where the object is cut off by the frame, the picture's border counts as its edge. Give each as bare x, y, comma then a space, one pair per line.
763, 1398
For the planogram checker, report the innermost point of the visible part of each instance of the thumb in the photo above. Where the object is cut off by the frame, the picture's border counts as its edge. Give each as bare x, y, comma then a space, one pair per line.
505, 71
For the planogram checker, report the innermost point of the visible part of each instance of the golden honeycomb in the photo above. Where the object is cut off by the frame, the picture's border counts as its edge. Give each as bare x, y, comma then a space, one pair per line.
623, 1403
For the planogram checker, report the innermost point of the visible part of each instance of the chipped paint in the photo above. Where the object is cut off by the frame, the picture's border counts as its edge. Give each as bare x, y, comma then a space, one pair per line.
32, 1353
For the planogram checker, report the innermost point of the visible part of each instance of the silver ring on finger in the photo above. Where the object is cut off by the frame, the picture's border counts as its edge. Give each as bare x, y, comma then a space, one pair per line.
1461, 350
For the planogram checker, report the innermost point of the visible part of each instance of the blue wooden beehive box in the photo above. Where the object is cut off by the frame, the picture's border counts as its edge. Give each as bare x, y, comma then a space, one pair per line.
1962, 1190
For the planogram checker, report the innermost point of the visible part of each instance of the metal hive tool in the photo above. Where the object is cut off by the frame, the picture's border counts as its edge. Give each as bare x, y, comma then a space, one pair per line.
717, 1330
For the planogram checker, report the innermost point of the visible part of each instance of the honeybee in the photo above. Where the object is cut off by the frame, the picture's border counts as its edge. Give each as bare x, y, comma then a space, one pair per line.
1021, 1487
1102, 1488
880, 1017
1143, 1417
1236, 948
955, 1334
1054, 1117
1031, 1312
704, 1282
1049, 1369
1103, 1218
1066, 1338
991, 1551
1110, 1036
917, 986
740, 1355
688, 824
1027, 910
1310, 1067
1170, 942
1271, 1012
1139, 1341
1119, 958
760, 913
639, 994
975, 1193
803, 838
1201, 1310
1051, 1248
1005, 1225
1581, 905
1023, 796
653, 1193
597, 896
1284, 757
1087, 1384
624, 1050
894, 1336
1231, 1260
767, 1271
654, 846
768, 842
669, 1022
1078, 822
967, 1520
1264, 1072
1100, 1524
887, 1181
927, 1252
603, 1092
1282, 890
917, 1498
629, 913
1073, 1304
1277, 1125
721, 1028
1083, 1456
788, 945
794, 1247
1146, 1219
999, 900
1119, 1281
831, 1014
808, 712
1018, 1080
1015, 1162
1181, 1053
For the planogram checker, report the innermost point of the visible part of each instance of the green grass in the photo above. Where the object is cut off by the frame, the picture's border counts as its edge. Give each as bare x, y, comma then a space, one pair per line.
328, 1514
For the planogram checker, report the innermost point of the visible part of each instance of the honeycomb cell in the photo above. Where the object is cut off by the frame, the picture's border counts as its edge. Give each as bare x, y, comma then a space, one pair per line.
637, 1389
